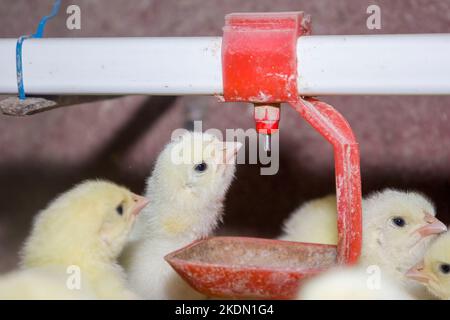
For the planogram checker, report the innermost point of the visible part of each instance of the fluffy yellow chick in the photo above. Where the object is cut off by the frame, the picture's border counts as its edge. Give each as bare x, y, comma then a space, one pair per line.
314, 221
187, 188
40, 284
351, 284
397, 229
84, 230
434, 271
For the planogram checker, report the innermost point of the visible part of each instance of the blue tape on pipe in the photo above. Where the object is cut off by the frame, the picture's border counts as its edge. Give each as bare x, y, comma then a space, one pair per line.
38, 34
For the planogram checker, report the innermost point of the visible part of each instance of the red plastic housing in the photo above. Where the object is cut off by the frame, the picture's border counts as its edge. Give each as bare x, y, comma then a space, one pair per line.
259, 56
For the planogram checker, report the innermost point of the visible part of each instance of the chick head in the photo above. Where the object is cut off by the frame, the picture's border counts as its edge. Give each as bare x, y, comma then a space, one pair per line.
90, 221
399, 227
200, 163
434, 270
188, 185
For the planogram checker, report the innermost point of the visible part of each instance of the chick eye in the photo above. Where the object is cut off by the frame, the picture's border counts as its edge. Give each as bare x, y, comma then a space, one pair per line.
399, 222
201, 167
119, 209
444, 268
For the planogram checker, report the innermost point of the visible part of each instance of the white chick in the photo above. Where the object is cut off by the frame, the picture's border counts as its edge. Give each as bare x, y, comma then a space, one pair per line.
86, 228
353, 283
187, 203
434, 271
398, 227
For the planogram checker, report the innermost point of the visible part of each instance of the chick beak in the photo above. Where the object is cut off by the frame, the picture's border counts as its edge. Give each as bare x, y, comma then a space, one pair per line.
433, 226
230, 151
139, 204
418, 273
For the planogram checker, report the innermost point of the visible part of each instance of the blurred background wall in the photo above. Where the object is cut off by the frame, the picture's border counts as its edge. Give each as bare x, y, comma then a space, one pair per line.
405, 141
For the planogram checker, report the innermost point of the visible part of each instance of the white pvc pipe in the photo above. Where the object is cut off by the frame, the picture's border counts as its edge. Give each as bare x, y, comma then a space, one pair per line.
327, 65
159, 66
374, 64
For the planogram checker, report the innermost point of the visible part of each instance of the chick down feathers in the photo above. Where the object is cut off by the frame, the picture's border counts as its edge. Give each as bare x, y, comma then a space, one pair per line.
187, 204
85, 228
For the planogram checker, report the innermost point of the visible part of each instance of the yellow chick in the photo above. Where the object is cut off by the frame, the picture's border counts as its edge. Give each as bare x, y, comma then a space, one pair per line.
434, 271
314, 221
40, 284
353, 283
81, 233
398, 227
187, 187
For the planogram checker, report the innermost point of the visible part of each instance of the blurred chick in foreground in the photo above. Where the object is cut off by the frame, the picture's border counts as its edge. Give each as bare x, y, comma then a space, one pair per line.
398, 227
82, 230
187, 187
351, 284
434, 271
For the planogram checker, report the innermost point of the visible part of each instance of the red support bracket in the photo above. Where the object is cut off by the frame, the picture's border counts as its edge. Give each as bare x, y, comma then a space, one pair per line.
336, 130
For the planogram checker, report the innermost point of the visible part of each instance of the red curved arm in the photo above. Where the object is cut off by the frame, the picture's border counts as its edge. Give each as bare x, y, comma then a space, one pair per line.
334, 128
